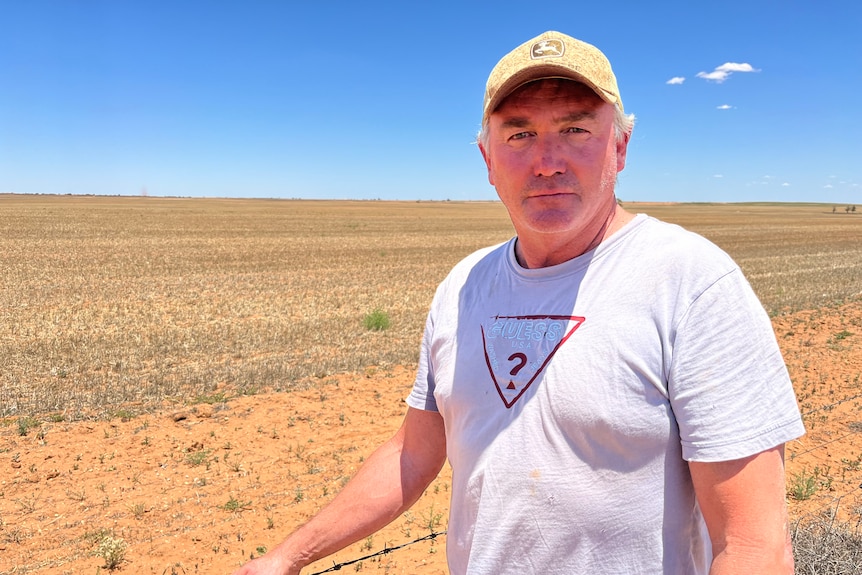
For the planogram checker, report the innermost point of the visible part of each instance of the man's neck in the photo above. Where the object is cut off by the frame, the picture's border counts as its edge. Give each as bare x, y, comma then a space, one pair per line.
556, 249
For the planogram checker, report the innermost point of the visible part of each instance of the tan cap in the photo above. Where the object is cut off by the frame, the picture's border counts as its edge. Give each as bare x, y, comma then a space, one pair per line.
551, 55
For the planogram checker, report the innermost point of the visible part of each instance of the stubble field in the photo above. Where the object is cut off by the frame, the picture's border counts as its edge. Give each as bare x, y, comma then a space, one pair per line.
184, 381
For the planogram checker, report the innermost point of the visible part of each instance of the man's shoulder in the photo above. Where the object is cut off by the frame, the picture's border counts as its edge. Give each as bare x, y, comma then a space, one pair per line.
672, 248
661, 228
674, 237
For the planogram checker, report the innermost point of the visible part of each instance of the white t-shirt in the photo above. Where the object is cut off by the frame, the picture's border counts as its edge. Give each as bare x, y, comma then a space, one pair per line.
573, 395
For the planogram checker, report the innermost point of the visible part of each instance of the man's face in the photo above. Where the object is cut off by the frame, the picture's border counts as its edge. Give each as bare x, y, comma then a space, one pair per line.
552, 155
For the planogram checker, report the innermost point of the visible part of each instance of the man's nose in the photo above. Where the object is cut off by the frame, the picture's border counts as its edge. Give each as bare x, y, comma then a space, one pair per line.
549, 156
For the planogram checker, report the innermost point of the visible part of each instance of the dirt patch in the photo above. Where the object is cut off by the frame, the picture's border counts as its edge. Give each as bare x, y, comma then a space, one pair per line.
203, 488
823, 352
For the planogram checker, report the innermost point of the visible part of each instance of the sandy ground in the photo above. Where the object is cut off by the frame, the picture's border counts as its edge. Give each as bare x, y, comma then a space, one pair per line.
203, 488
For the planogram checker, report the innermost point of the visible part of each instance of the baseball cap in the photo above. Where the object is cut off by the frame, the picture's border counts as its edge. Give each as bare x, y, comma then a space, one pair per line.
551, 55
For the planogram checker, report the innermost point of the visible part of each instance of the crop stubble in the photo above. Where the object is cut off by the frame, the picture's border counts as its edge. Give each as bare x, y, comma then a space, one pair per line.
112, 307
109, 301
134, 302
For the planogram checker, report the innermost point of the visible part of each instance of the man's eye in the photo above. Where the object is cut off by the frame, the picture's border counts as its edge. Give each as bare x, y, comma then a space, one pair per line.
575, 130
519, 136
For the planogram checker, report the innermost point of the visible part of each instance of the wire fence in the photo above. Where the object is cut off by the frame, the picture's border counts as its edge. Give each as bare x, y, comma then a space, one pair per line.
385, 551
831, 507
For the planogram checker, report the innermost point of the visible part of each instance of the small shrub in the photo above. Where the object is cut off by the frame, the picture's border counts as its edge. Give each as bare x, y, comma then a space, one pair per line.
113, 551
138, 510
196, 458
210, 399
124, 415
432, 520
377, 320
25, 424
234, 505
803, 486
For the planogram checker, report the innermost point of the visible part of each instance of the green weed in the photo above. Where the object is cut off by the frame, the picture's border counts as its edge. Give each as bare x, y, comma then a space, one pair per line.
377, 320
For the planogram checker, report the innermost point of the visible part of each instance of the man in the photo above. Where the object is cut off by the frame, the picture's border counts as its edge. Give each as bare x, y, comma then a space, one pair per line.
606, 387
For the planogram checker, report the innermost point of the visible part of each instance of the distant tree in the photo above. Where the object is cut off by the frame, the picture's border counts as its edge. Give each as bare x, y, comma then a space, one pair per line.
853, 209
847, 209
833, 209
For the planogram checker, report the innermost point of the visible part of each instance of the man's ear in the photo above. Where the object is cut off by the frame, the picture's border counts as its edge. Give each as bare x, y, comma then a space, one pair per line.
622, 151
487, 163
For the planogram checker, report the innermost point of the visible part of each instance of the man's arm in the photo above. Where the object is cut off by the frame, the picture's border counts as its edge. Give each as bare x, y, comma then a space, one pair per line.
387, 484
743, 504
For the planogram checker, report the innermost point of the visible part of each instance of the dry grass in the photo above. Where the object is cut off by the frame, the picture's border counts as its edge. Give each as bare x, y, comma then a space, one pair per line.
110, 307
796, 256
826, 546
109, 302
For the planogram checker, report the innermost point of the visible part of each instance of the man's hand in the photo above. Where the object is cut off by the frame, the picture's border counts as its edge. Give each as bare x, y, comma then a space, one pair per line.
269, 564
273, 563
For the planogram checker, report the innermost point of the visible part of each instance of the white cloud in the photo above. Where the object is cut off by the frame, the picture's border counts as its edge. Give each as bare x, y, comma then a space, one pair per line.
675, 81
725, 107
785, 185
723, 72
828, 186
718, 176
734, 67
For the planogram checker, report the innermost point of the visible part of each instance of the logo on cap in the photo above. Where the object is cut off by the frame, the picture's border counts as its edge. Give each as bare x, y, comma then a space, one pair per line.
547, 49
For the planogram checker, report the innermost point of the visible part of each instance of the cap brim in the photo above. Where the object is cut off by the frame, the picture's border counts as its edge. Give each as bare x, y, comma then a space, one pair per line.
541, 72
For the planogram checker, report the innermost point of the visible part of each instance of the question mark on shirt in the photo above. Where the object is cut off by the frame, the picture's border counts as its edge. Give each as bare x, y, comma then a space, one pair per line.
523, 361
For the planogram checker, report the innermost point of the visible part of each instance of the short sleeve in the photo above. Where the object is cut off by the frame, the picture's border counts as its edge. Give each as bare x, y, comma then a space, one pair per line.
728, 384
422, 394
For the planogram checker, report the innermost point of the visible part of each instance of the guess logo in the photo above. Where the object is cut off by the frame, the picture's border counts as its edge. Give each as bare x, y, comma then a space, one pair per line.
517, 349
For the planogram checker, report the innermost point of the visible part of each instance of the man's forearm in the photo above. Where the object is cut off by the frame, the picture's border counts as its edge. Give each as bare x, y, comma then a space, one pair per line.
367, 503
388, 483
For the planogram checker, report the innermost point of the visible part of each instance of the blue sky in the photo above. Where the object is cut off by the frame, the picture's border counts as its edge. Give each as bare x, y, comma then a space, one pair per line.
735, 101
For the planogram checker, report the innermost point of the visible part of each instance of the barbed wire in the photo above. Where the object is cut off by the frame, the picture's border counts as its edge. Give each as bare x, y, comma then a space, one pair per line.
831, 405
434, 534
338, 566
854, 429
822, 445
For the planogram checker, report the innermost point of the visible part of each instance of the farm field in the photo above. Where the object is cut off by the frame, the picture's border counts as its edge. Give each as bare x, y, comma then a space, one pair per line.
183, 381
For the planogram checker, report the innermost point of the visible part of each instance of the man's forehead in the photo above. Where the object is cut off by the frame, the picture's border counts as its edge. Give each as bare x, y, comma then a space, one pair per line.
573, 99
552, 90
522, 121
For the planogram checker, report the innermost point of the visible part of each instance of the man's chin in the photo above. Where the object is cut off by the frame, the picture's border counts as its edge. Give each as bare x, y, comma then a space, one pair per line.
550, 221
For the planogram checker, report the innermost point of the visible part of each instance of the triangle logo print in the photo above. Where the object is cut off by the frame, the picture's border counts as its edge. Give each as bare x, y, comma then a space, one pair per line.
517, 349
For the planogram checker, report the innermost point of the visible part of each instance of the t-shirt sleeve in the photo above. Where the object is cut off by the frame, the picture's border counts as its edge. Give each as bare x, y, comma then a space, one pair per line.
729, 387
422, 395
